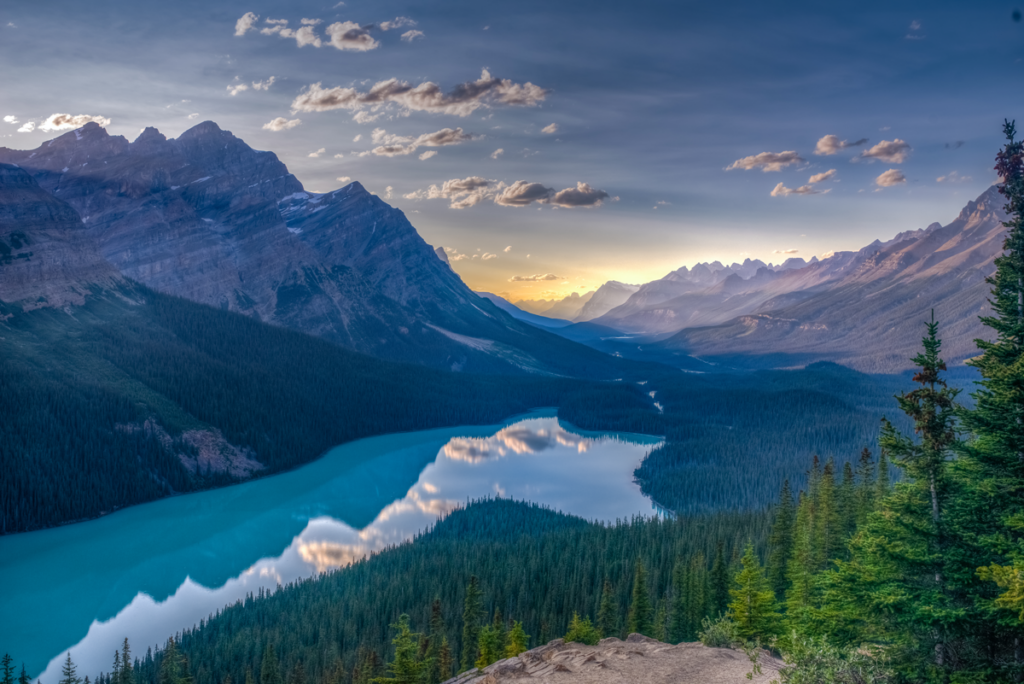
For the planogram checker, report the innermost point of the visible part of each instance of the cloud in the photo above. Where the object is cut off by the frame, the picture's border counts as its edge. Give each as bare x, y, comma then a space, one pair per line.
304, 35
263, 85
410, 36
310, 22
507, 249
831, 144
65, 122
462, 100
955, 145
10, 119
953, 177
915, 25
399, 22
661, 203
488, 257
27, 127
550, 128
281, 124
339, 156
245, 23
348, 35
396, 145
767, 161
193, 116
462, 192
890, 178
343, 179
316, 155
237, 88
387, 192
782, 191
534, 278
581, 196
357, 138
497, 153
785, 251
893, 152
822, 177
522, 194
427, 155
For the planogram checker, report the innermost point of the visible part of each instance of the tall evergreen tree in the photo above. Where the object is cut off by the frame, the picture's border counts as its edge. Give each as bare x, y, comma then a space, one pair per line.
445, 660
641, 619
781, 541
679, 623
69, 672
127, 667
719, 582
753, 608
865, 486
827, 527
115, 670
608, 612
407, 667
518, 640
437, 635
801, 596
7, 669
472, 612
270, 670
23, 678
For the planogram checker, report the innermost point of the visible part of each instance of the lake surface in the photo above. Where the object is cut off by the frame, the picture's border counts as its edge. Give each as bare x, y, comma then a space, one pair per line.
152, 570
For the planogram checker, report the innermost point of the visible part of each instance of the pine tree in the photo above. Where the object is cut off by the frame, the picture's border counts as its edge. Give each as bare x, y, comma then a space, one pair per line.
582, 631
115, 670
865, 486
298, 674
753, 608
827, 537
249, 679
719, 582
445, 660
848, 502
437, 634
697, 594
23, 678
471, 614
608, 613
407, 667
69, 673
518, 640
640, 610
127, 669
679, 623
800, 594
490, 646
174, 667
781, 541
270, 671
7, 669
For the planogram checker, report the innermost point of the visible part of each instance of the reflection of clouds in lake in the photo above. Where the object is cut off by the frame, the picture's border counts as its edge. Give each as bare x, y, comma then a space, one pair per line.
522, 438
329, 555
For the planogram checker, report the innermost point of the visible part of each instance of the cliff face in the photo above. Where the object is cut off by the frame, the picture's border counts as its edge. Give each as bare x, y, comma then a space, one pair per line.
208, 218
46, 255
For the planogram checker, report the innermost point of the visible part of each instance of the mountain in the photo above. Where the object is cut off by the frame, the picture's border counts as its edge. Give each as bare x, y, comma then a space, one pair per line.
46, 256
566, 309
696, 296
866, 308
207, 218
520, 315
607, 297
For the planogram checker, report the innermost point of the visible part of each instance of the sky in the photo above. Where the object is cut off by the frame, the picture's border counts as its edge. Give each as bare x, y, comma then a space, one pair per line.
552, 146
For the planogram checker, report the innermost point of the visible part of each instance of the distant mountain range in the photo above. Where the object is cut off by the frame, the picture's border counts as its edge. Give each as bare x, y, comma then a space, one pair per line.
579, 308
207, 218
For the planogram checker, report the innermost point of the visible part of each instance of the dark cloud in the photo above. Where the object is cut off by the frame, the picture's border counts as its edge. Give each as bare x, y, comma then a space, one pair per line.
522, 193
581, 196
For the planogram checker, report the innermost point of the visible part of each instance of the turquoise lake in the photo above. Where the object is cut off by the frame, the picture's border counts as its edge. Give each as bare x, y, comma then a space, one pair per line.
149, 571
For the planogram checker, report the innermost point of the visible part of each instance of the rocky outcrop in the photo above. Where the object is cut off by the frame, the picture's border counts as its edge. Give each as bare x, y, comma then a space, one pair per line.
637, 660
208, 218
47, 258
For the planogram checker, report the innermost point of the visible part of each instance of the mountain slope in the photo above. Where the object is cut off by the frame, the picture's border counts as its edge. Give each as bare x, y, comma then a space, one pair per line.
865, 308
607, 297
207, 218
520, 315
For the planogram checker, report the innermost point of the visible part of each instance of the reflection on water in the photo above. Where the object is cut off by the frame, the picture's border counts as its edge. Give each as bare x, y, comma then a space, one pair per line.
325, 516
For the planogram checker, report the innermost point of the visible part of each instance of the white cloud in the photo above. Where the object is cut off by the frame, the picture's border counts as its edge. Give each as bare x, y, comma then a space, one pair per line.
767, 161
953, 177
399, 22
890, 178
427, 155
785, 251
915, 25
534, 278
343, 179
348, 35
522, 194
831, 144
507, 249
463, 100
782, 191
310, 22
892, 152
263, 85
27, 127
316, 155
410, 36
581, 196
65, 122
339, 156
10, 119
387, 192
237, 88
245, 23
488, 256
357, 138
396, 145
304, 35
462, 192
193, 116
822, 177
281, 124
550, 128
497, 153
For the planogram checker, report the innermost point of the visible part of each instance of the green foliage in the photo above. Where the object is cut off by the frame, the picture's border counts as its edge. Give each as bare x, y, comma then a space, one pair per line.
816, 661
780, 542
69, 672
270, 670
581, 631
718, 633
608, 613
406, 667
518, 640
174, 667
641, 620
491, 646
753, 608
472, 612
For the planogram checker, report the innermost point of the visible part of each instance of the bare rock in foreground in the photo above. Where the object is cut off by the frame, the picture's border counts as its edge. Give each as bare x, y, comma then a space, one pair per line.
637, 660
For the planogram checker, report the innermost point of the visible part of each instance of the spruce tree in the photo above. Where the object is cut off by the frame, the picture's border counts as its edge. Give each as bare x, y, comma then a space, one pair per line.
437, 634
298, 674
490, 646
127, 667
608, 612
115, 670
407, 667
679, 622
270, 670
641, 619
865, 486
781, 541
7, 669
827, 528
719, 582
69, 673
697, 595
801, 597
582, 631
518, 640
753, 608
445, 660
23, 678
472, 612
